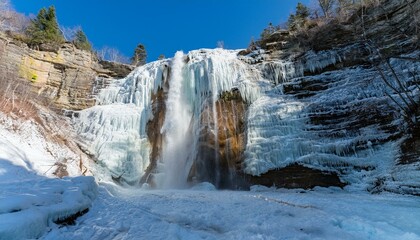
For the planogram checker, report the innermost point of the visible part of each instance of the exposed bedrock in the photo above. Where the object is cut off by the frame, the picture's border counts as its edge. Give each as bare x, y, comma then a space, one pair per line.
69, 77
220, 153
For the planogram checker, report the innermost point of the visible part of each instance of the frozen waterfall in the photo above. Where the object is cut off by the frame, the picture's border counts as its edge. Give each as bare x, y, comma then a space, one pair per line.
278, 130
178, 139
115, 129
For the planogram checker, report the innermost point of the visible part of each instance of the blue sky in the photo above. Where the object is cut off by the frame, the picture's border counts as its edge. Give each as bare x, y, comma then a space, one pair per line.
165, 26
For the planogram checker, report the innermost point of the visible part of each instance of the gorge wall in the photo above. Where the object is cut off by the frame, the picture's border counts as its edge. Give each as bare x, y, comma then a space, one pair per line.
69, 77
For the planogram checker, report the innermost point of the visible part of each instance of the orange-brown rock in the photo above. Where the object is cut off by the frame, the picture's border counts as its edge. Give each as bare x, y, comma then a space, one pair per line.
220, 152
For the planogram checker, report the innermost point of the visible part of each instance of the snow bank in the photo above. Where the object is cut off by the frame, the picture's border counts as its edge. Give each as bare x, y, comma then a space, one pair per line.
27, 208
29, 200
24, 144
204, 186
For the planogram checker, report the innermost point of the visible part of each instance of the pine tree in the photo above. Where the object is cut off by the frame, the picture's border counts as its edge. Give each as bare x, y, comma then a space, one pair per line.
161, 57
81, 41
139, 56
298, 20
302, 11
44, 28
267, 31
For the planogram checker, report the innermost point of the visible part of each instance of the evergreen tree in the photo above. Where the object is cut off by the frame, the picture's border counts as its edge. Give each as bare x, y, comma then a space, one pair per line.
268, 31
44, 28
161, 57
302, 11
297, 21
252, 45
81, 41
139, 56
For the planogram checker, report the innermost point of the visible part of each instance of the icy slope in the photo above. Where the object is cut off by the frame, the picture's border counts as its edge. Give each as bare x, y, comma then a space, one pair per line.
30, 201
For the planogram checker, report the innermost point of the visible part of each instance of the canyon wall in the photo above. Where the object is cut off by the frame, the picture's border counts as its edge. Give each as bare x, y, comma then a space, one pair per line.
69, 77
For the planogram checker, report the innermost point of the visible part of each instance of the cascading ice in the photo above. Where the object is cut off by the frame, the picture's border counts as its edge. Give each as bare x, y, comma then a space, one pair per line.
115, 130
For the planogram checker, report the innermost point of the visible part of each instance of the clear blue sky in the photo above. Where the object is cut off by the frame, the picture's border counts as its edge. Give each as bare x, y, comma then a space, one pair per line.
165, 26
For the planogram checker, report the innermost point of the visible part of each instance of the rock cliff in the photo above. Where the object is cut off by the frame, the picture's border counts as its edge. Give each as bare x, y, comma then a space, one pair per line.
69, 77
349, 82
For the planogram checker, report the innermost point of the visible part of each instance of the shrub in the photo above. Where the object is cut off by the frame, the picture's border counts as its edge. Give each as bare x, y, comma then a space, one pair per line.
81, 41
139, 56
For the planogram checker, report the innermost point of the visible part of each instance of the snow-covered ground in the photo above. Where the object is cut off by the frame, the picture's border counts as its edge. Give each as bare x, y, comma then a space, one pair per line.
31, 197
261, 213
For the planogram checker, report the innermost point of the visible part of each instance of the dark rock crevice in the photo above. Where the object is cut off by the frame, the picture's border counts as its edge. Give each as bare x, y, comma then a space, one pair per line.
296, 176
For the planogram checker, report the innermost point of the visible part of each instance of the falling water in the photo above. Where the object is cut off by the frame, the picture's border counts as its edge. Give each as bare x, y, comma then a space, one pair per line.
195, 84
176, 129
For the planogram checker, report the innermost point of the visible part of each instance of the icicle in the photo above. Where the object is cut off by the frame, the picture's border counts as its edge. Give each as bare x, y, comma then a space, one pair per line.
115, 130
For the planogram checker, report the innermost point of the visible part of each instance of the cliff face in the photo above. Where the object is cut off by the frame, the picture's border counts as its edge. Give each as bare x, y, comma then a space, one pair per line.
220, 153
67, 77
352, 96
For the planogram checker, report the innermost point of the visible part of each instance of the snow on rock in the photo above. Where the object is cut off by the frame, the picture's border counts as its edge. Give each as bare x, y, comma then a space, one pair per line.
30, 201
28, 207
23, 142
339, 121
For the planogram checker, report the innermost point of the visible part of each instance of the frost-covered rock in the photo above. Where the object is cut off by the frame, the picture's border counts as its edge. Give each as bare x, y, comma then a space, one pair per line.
27, 208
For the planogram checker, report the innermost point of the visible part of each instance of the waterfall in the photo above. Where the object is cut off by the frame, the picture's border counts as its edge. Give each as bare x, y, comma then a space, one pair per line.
115, 131
177, 147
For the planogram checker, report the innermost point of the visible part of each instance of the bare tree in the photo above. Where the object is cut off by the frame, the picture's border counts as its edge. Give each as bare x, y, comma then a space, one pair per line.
220, 44
404, 89
69, 32
5, 9
17, 95
326, 6
112, 55
10, 20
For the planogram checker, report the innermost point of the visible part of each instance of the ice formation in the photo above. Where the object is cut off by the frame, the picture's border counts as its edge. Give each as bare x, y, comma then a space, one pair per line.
274, 130
280, 130
115, 129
